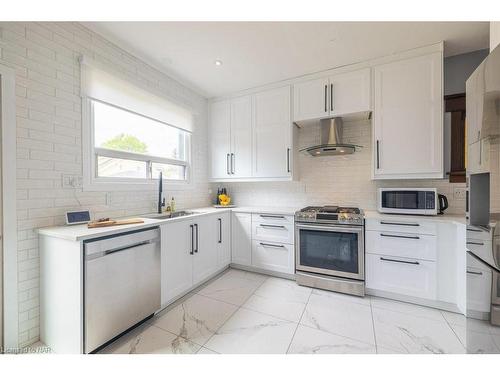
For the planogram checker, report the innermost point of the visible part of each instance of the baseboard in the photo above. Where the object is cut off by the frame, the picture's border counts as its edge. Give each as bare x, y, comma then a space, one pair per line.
262, 271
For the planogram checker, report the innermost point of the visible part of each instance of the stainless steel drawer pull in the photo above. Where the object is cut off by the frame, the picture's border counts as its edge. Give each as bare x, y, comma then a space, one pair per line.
475, 243
272, 216
474, 230
271, 245
272, 226
402, 224
475, 273
399, 261
397, 236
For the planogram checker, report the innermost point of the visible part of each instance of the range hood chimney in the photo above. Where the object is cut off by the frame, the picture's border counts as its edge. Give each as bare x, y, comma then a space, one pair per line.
331, 140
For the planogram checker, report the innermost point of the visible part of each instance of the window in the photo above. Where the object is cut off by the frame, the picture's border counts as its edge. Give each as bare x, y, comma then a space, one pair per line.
131, 146
130, 134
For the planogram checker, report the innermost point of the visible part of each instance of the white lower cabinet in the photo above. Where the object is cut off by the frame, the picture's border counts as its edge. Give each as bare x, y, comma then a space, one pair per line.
411, 257
192, 251
478, 287
264, 241
241, 241
271, 256
406, 276
176, 260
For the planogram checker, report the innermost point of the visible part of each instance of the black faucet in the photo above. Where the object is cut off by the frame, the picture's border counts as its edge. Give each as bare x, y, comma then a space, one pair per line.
161, 203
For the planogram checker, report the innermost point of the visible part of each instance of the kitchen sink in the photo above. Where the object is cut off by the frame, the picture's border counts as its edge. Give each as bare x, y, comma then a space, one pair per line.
168, 215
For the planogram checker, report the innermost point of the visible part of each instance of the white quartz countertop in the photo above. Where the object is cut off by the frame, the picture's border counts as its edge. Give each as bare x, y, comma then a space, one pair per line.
82, 232
456, 219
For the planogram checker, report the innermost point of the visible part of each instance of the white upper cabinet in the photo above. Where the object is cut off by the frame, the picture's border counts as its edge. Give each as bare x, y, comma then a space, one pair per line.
408, 118
241, 137
338, 95
310, 99
272, 133
350, 93
220, 138
251, 136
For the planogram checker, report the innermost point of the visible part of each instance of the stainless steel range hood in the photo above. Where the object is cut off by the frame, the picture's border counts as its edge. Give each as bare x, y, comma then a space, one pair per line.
331, 140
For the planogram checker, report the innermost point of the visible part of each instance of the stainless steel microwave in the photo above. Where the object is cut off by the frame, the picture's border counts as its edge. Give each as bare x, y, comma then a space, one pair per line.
411, 201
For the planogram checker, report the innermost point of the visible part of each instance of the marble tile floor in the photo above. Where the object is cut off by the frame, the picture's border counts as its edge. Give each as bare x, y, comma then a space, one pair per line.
248, 313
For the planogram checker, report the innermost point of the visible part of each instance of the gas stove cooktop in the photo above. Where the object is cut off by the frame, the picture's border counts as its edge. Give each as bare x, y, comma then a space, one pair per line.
330, 215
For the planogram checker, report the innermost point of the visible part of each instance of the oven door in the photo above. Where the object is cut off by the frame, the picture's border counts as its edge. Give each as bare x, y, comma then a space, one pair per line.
330, 250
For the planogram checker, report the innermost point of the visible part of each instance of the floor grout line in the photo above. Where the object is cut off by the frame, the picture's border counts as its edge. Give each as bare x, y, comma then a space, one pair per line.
373, 325
296, 328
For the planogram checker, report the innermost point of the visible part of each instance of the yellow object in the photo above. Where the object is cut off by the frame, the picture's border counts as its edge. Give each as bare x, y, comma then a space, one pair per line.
224, 199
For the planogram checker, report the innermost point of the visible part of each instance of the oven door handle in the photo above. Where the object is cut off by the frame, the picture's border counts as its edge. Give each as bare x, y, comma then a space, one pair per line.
331, 228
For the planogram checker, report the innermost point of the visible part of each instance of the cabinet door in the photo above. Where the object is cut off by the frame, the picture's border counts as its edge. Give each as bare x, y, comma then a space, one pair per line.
408, 118
272, 133
310, 99
205, 249
478, 156
223, 241
176, 260
241, 137
350, 92
220, 139
241, 240
478, 289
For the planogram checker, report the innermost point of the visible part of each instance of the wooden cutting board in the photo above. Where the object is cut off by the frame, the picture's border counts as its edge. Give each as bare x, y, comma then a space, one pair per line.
110, 223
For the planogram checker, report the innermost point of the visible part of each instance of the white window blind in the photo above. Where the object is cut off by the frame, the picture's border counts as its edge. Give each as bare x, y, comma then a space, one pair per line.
99, 84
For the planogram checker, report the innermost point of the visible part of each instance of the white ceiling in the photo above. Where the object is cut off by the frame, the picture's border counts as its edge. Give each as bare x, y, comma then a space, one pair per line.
257, 53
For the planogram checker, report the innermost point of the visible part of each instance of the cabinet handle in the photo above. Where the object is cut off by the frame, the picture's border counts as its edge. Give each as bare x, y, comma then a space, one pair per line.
475, 273
272, 216
326, 100
232, 163
227, 164
196, 249
220, 230
402, 224
397, 236
192, 239
474, 230
272, 226
475, 243
271, 245
399, 261
378, 153
331, 96
288, 160
480, 152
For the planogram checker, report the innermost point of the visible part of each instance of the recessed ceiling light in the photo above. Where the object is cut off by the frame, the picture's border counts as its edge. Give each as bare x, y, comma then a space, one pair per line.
218, 62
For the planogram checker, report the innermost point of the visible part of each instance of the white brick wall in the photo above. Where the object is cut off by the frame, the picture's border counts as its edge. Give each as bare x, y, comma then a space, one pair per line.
343, 180
44, 56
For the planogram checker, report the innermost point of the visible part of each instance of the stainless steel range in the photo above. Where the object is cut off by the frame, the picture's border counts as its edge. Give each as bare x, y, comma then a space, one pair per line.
330, 248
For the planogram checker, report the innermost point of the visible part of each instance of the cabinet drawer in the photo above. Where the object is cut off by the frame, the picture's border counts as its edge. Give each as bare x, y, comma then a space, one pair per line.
482, 249
419, 246
407, 276
478, 289
402, 225
273, 256
272, 232
272, 219
475, 233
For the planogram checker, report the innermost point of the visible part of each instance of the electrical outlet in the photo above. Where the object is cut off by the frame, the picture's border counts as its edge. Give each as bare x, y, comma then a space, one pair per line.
459, 193
71, 181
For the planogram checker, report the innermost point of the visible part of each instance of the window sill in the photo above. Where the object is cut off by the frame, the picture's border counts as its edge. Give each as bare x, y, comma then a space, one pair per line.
150, 185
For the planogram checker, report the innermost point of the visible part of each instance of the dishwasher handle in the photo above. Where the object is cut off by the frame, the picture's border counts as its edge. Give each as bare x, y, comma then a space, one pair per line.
112, 244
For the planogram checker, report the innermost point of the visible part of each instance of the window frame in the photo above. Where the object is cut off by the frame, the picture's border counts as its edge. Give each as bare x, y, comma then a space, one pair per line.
92, 182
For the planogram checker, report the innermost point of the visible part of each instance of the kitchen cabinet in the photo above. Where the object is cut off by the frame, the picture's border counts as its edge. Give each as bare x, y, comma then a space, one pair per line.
479, 279
241, 239
241, 137
278, 257
408, 118
337, 95
220, 138
478, 156
191, 253
231, 138
272, 142
205, 249
223, 238
176, 259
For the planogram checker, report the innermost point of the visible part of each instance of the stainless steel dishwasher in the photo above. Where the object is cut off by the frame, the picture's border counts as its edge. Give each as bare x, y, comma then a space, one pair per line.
122, 284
